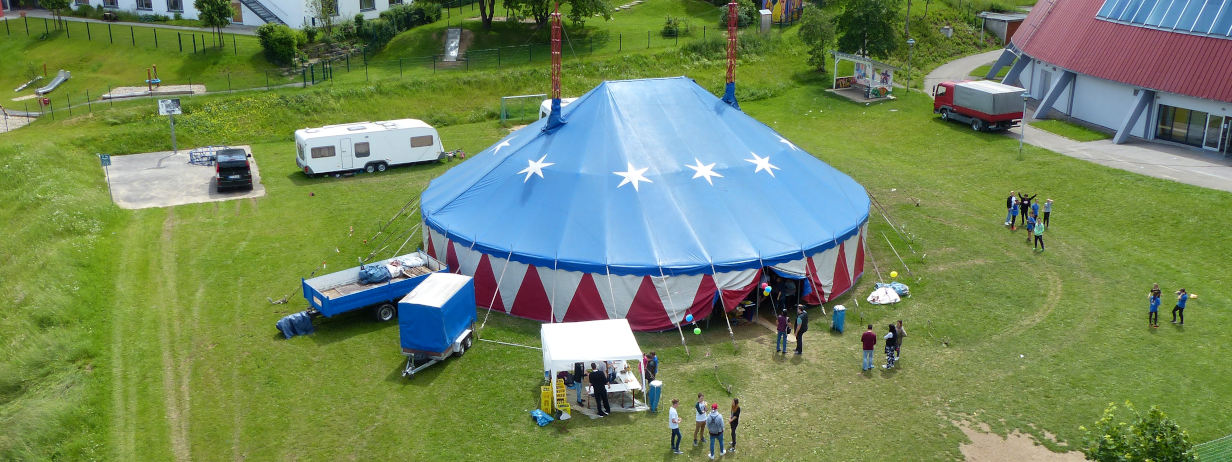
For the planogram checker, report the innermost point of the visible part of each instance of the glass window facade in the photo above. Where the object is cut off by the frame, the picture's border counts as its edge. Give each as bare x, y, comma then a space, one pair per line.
1181, 125
1208, 17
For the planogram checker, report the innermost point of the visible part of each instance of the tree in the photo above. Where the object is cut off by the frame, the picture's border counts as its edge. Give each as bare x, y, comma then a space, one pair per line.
540, 10
866, 27
55, 6
487, 8
817, 32
1150, 436
215, 14
325, 10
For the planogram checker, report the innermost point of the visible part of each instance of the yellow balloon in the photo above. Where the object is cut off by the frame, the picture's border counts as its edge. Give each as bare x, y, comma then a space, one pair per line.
894, 274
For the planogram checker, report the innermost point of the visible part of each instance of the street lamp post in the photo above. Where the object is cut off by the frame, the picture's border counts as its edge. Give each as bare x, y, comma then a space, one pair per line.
1023, 132
910, 57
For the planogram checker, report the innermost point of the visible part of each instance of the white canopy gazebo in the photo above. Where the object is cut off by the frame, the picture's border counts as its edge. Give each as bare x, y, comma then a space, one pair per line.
565, 343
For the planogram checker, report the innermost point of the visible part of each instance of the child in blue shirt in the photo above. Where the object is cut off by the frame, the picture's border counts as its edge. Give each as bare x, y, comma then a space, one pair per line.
1152, 318
1181, 298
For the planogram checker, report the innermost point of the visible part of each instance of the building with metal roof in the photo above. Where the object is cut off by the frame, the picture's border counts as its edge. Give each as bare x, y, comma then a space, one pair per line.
1158, 70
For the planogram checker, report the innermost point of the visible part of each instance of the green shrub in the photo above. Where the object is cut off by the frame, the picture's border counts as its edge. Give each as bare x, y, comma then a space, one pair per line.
746, 14
279, 43
1150, 436
310, 33
377, 32
675, 27
359, 21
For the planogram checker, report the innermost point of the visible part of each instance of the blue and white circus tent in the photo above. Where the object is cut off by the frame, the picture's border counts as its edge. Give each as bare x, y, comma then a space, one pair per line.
653, 200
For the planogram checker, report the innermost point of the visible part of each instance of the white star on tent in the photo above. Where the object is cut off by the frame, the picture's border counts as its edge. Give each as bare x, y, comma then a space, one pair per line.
762, 163
788, 143
632, 175
535, 167
705, 171
501, 145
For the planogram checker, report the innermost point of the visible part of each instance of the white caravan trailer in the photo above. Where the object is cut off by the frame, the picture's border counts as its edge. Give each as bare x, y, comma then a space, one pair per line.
368, 146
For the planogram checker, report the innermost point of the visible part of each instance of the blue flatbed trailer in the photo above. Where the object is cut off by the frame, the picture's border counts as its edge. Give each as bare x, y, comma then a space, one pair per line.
340, 292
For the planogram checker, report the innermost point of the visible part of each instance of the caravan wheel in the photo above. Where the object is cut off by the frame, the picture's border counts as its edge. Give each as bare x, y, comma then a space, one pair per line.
380, 167
369, 168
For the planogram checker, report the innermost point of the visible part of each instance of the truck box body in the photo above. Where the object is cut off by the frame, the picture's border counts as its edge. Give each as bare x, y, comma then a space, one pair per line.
997, 100
984, 104
370, 146
433, 316
340, 292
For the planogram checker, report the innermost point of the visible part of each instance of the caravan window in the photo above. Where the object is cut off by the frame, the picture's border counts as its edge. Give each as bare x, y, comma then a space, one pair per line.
361, 149
421, 141
301, 151
323, 151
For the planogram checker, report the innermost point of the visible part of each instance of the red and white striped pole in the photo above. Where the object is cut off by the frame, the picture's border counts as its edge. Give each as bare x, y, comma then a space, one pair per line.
729, 93
554, 119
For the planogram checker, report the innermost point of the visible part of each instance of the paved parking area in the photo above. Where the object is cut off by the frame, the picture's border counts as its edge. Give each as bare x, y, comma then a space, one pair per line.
165, 179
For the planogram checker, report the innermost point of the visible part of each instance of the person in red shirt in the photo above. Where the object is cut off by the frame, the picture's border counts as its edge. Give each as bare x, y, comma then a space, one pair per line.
869, 339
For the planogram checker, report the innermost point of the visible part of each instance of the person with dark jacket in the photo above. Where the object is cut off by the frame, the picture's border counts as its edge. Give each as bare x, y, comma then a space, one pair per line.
1024, 205
801, 328
579, 373
868, 341
598, 380
735, 421
890, 344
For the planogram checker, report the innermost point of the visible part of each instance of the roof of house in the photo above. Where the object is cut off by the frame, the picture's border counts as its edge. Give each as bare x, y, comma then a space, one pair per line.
1069, 35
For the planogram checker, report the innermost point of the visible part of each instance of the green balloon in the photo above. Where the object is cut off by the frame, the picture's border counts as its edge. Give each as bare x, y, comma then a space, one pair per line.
697, 331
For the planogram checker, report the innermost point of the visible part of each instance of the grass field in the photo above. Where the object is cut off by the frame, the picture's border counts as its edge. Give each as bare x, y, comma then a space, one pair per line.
1070, 130
982, 71
153, 340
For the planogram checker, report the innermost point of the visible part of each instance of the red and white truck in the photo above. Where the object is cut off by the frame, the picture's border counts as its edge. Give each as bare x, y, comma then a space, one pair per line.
985, 104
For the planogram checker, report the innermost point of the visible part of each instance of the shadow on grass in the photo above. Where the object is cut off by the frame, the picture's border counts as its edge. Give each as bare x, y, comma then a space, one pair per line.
347, 325
298, 178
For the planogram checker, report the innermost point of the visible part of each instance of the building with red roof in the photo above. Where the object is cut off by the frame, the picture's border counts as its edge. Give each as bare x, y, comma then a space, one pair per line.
1152, 69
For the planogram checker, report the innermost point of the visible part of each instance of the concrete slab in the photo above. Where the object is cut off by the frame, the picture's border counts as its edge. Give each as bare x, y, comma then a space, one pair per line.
166, 179
9, 123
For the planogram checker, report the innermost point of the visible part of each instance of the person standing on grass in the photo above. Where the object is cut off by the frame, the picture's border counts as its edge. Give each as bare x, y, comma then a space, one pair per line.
700, 408
801, 328
900, 334
1181, 298
869, 341
579, 374
889, 348
1025, 205
673, 423
1152, 317
598, 380
1047, 211
1035, 209
780, 341
735, 421
1011, 206
652, 366
715, 424
1030, 226
1039, 236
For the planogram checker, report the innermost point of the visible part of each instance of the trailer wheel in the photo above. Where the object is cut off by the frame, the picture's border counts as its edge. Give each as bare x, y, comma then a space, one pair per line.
945, 114
369, 168
977, 125
385, 312
380, 166
466, 345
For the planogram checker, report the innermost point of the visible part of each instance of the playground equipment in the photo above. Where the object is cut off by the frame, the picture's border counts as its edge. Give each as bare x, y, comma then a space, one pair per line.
27, 84
151, 77
61, 76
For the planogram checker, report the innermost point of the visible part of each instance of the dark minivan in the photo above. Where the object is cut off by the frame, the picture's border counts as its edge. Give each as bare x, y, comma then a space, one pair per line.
231, 170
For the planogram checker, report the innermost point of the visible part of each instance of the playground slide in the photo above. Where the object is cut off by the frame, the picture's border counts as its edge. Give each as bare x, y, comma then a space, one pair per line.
452, 39
31, 82
59, 79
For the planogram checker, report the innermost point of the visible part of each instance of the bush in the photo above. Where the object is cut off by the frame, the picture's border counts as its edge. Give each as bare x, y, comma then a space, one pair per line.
1150, 436
378, 32
746, 15
359, 21
279, 43
179, 17
674, 27
310, 33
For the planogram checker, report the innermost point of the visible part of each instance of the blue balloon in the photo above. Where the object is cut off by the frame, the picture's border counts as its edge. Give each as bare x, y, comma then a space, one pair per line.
688, 318
767, 290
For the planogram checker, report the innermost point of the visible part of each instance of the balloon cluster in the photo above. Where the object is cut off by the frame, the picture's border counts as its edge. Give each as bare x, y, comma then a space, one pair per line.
696, 330
765, 289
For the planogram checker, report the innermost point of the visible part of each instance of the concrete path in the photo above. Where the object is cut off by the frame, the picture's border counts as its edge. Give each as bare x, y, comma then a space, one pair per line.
40, 14
1177, 163
958, 69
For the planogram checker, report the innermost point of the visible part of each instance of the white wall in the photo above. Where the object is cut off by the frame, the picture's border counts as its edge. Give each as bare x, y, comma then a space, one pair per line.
294, 12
